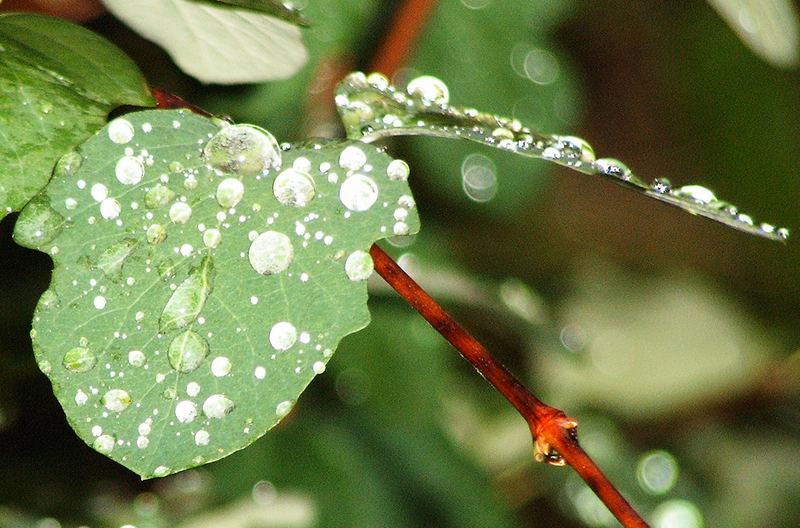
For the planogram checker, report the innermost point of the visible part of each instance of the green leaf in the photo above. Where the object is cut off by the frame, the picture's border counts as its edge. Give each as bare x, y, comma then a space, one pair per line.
197, 287
372, 109
58, 81
271, 7
216, 43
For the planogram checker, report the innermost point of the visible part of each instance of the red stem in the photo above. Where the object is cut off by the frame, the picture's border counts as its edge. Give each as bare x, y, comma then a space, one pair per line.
407, 24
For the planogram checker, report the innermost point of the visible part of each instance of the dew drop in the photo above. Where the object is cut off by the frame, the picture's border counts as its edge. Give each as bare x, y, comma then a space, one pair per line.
283, 408
110, 208
212, 238
79, 359
217, 406
358, 192
352, 158
81, 398
116, 400
696, 193
260, 372
180, 212
129, 170
156, 234
68, 164
243, 149
187, 351
136, 358
613, 168
430, 89
221, 366
271, 252
104, 444
397, 170
230, 192
38, 223
661, 185
99, 302
283, 335
161, 471
318, 367
186, 411
358, 266
120, 131
294, 188
201, 437
158, 196
192, 388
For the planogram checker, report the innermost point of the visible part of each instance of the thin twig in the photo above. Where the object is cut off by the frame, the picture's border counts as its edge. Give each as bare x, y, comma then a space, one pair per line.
554, 433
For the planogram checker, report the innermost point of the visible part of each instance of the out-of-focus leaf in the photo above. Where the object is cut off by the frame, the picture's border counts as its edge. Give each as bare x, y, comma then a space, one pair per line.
650, 346
58, 82
372, 109
768, 27
217, 44
201, 277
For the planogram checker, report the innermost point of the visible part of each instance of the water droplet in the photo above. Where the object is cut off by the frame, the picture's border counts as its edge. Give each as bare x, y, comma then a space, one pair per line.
180, 212
696, 193
112, 259
243, 149
378, 80
661, 186
158, 196
120, 131
201, 437
260, 372
156, 234
38, 223
283, 335
429, 89
189, 298
68, 165
79, 359
294, 188
271, 252
81, 398
129, 170
352, 158
318, 367
212, 238
116, 400
104, 444
221, 366
136, 358
574, 151
161, 471
613, 168
110, 208
187, 351
358, 266
358, 192
230, 192
217, 406
186, 411
99, 302
283, 408
397, 170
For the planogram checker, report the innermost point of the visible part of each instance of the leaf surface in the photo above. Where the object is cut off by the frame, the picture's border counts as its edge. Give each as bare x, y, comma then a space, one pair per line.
58, 81
198, 288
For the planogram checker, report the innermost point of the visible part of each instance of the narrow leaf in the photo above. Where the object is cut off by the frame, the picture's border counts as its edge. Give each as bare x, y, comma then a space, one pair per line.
372, 109
202, 278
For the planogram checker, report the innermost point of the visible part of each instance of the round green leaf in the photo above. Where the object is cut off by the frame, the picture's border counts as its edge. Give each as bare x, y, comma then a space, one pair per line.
58, 81
202, 278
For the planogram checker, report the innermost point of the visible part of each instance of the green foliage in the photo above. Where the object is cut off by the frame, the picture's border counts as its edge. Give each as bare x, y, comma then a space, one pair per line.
59, 81
202, 279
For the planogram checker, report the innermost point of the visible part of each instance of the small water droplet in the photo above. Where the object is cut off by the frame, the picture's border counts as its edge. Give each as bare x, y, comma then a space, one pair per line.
161, 471
99, 302
696, 193
283, 408
318, 367
358, 192
221, 366
283, 335
243, 149
79, 359
120, 131
271, 252
180, 212
129, 170
187, 351
352, 158
116, 400
378, 80
158, 196
613, 168
188, 299
212, 238
294, 188
110, 208
201, 437
104, 444
156, 234
430, 89
217, 406
68, 165
661, 186
38, 223
358, 266
230, 192
397, 170
186, 411
136, 358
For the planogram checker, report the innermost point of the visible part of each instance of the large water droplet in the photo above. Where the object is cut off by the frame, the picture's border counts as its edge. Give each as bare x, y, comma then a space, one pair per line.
158, 196
112, 259
230, 192
104, 444
243, 149
358, 266
38, 223
352, 158
294, 188
116, 400
120, 131
397, 170
68, 165
283, 335
180, 212
110, 208
136, 358
271, 252
696, 193
189, 298
429, 89
221, 366
187, 351
358, 192
217, 406
186, 411
129, 170
79, 359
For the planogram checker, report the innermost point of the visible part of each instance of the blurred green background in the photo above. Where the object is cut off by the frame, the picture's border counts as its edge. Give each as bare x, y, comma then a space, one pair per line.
673, 340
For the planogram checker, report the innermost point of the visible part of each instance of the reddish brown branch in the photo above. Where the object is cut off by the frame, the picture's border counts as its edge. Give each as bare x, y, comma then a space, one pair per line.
407, 24
554, 434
